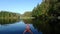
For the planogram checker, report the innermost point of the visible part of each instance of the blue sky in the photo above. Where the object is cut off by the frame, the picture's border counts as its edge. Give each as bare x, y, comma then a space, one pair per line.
18, 6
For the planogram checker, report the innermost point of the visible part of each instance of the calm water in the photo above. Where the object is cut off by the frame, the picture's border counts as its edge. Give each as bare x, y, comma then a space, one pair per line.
16, 28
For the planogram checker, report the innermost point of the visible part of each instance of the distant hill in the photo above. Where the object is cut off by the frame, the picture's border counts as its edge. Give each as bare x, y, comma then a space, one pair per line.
27, 14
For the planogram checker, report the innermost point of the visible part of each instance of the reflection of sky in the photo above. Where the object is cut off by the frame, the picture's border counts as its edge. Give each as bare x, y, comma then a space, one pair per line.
16, 28
19, 6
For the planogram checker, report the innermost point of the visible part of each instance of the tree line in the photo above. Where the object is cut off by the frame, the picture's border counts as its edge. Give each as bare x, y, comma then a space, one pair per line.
8, 17
46, 16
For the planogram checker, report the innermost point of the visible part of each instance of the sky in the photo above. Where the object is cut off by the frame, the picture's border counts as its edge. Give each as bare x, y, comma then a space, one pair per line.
18, 6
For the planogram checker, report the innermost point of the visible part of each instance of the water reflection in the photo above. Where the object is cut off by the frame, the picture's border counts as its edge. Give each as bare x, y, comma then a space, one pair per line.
8, 21
17, 28
48, 26
36, 24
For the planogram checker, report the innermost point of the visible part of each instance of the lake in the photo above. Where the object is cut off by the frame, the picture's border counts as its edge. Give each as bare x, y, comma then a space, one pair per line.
17, 28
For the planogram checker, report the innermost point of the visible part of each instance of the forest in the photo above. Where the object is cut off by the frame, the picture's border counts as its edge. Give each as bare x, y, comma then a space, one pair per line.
46, 16
7, 17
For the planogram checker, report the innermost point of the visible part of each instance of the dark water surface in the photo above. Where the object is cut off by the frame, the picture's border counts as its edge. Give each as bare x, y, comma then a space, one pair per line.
16, 28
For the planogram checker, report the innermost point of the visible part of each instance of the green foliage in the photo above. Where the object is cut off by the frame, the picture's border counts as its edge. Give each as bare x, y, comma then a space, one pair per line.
7, 17
26, 14
47, 13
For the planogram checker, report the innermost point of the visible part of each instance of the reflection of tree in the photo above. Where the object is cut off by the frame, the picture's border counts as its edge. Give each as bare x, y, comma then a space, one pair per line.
49, 26
8, 21
27, 21
8, 17
46, 17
